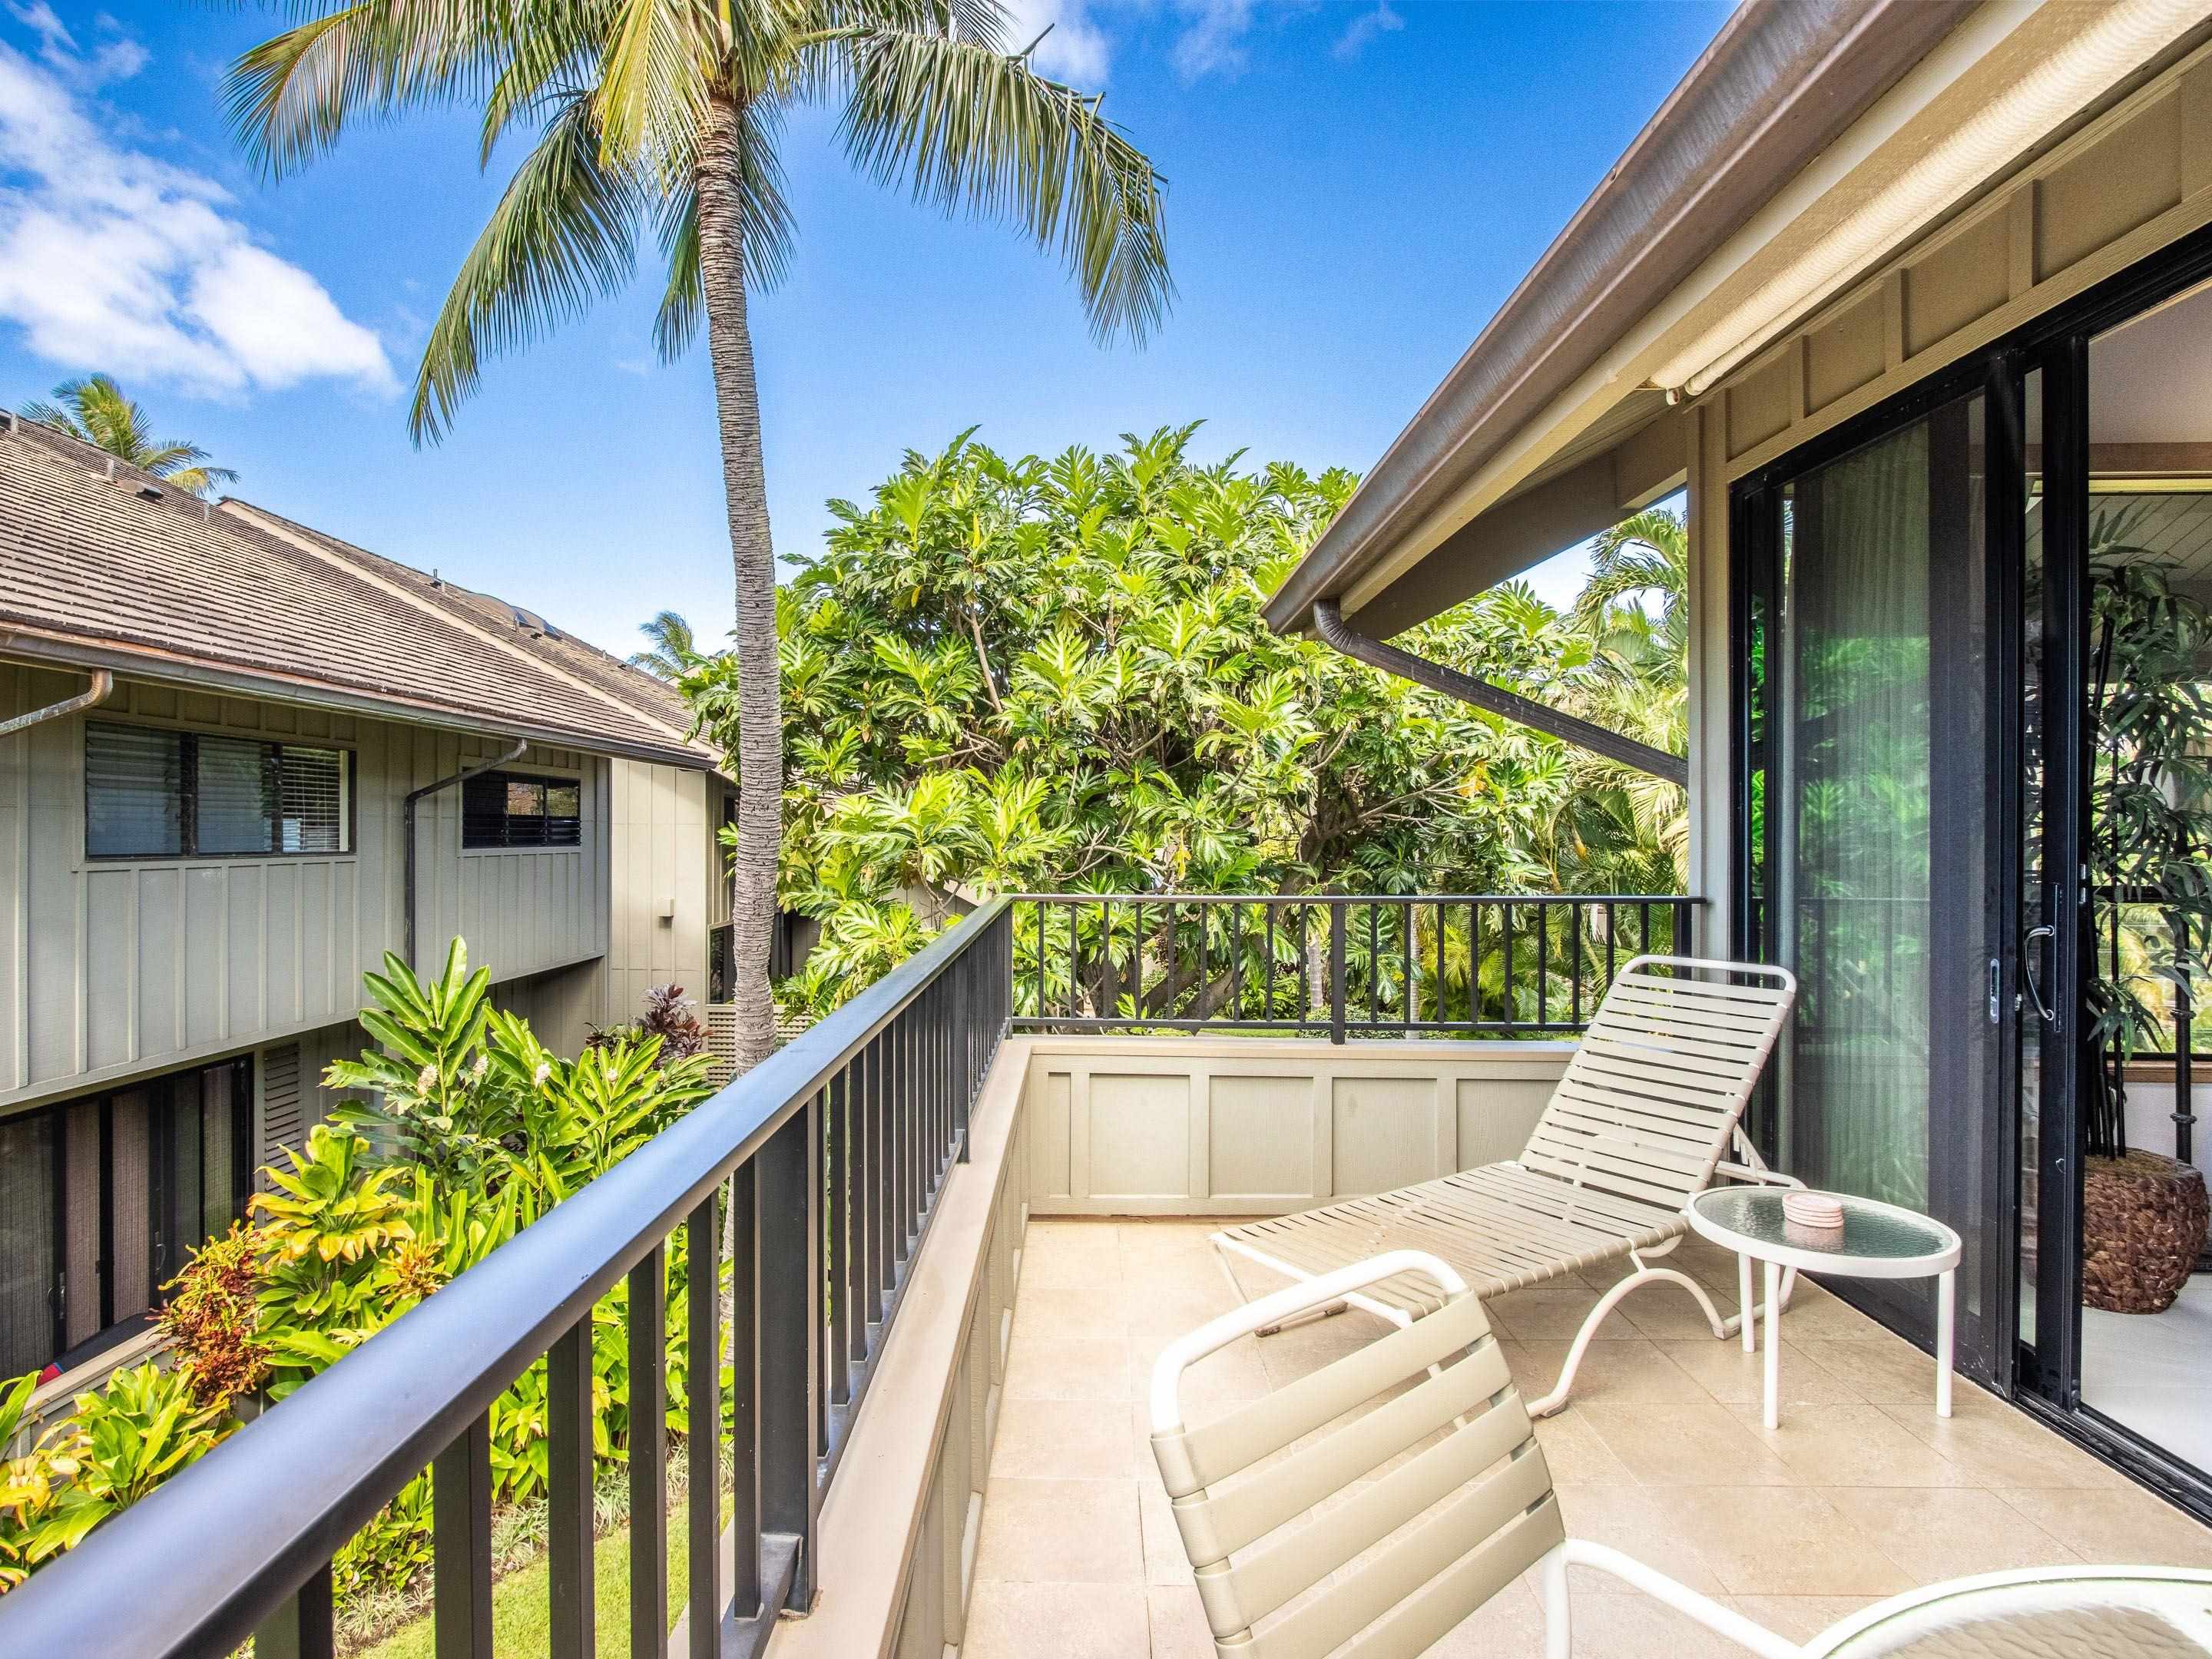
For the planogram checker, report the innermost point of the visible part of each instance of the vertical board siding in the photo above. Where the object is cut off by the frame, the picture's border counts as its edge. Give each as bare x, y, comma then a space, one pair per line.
662, 849
115, 966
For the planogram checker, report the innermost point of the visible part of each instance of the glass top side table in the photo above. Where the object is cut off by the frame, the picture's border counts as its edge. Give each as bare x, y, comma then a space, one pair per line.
1877, 1241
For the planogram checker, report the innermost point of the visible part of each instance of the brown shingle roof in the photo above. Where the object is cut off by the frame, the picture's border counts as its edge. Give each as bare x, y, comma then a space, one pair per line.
110, 563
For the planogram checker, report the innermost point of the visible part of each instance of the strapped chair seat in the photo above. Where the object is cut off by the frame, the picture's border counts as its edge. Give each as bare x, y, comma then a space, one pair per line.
1639, 1126
1366, 1509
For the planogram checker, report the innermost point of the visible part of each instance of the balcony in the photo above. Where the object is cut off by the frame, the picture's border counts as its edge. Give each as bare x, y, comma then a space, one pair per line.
967, 1211
1861, 1493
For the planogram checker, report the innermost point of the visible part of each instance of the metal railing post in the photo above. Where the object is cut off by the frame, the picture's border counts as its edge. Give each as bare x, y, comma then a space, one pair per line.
572, 1630
703, 1414
789, 1193
461, 1544
304, 1627
648, 1455
1336, 954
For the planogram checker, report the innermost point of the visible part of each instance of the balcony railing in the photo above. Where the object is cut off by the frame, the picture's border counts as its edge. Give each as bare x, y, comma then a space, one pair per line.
825, 1161
1343, 965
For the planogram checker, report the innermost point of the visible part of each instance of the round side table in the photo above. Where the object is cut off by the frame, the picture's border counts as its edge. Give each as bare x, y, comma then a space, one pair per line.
1877, 1241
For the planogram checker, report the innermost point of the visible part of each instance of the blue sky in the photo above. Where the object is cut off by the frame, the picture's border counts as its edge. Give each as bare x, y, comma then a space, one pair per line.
1353, 189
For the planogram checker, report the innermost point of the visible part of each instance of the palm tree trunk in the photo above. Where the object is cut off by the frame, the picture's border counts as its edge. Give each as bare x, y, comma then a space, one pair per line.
744, 489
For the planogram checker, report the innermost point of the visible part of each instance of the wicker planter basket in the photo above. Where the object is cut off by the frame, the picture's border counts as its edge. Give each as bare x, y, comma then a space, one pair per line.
2144, 1220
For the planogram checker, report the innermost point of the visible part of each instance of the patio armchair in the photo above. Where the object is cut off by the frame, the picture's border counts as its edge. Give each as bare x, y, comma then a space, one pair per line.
1368, 1508
1637, 1126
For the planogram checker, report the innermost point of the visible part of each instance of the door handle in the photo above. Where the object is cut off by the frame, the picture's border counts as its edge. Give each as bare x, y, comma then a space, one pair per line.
2027, 956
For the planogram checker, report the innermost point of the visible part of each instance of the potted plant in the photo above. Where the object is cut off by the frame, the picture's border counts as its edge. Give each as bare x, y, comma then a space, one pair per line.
2143, 1214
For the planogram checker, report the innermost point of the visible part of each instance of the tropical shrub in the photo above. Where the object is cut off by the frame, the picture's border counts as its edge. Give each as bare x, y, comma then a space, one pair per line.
212, 1321
471, 1129
669, 1015
119, 1443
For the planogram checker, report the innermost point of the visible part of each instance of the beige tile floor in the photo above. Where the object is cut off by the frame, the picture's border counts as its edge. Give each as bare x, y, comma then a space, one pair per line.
1862, 1492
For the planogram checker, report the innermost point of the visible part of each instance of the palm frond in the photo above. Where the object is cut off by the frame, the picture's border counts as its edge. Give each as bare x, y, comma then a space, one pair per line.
656, 70
563, 235
290, 99
975, 128
40, 412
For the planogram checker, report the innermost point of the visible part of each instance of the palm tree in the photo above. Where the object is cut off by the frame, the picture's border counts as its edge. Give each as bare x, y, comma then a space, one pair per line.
94, 411
673, 648
665, 114
1647, 552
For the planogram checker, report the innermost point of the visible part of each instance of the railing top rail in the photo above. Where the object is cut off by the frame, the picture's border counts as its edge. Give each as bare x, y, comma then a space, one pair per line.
193, 1567
1356, 899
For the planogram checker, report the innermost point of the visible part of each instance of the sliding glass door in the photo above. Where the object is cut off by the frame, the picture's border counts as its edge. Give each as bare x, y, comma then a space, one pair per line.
1872, 774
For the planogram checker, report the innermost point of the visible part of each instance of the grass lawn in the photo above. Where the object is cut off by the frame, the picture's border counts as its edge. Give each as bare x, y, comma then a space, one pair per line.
518, 1613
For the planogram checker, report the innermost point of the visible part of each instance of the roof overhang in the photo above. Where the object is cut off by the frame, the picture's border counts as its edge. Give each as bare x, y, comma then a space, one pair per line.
1552, 427
133, 661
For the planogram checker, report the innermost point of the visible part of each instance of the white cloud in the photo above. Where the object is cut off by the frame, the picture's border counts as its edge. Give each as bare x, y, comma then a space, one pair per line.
1075, 50
112, 259
1214, 41
117, 57
1383, 20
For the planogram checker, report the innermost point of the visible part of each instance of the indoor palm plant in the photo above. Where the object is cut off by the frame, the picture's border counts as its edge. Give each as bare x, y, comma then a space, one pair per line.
2143, 1214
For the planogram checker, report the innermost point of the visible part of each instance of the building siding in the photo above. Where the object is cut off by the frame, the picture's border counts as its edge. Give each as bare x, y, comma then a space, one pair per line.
662, 834
109, 968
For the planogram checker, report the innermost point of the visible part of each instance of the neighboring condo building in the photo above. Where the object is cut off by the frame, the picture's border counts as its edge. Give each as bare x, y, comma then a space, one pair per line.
216, 729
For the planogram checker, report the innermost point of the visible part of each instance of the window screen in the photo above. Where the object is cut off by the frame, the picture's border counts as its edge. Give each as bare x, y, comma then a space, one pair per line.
500, 809
235, 798
134, 792
152, 793
27, 1242
142, 1176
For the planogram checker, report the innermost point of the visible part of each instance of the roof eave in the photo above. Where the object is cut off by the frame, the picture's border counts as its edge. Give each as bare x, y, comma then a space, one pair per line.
1782, 80
144, 662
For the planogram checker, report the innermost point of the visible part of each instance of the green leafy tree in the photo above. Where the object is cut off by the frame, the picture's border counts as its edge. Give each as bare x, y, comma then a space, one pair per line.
95, 411
663, 116
1008, 674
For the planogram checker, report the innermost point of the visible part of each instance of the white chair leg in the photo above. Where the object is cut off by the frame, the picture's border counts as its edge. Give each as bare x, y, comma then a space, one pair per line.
1773, 1355
1310, 1316
1606, 1303
1947, 1298
1559, 1612
1746, 1317
1724, 1621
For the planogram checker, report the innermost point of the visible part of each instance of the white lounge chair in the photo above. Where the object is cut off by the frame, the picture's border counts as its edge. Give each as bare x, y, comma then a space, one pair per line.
1316, 1527
1651, 1100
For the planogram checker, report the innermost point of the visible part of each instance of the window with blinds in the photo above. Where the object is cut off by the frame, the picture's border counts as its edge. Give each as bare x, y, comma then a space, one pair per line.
501, 809
155, 793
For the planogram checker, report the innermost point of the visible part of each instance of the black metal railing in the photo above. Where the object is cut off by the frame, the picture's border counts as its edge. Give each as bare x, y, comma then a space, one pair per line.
1344, 965
824, 1162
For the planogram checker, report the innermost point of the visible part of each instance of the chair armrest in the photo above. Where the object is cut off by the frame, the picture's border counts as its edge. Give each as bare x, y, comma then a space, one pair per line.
1187, 1350
1759, 1178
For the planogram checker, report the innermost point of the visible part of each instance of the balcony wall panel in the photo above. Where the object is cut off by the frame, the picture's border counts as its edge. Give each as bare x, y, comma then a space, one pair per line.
1249, 1126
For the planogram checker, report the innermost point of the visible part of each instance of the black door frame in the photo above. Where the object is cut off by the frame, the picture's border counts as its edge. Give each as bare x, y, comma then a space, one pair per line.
2044, 1381
1986, 1344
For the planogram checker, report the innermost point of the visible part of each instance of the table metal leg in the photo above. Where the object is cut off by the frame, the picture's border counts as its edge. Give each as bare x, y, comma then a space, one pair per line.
1745, 1310
1774, 1345
1947, 1298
